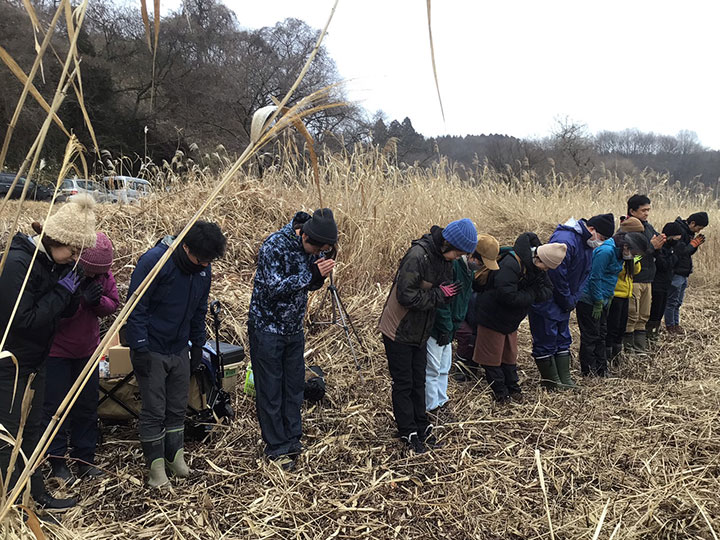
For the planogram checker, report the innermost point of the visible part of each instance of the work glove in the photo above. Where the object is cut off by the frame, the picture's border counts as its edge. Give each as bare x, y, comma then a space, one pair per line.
196, 354
597, 309
92, 293
70, 281
443, 339
449, 290
697, 241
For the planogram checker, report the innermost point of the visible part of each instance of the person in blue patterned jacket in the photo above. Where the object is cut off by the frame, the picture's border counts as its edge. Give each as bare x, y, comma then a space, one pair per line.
291, 262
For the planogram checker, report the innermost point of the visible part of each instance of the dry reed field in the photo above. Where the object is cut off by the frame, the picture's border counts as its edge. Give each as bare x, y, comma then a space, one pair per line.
632, 456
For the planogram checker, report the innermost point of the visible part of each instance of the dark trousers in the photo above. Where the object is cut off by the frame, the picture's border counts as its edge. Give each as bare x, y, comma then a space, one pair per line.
10, 419
592, 340
549, 336
279, 372
616, 321
407, 365
659, 303
81, 422
163, 380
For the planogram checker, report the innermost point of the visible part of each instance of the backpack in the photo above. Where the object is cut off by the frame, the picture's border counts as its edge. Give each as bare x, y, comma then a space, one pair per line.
482, 276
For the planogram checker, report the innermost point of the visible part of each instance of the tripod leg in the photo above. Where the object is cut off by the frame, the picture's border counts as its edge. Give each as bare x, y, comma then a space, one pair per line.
345, 318
349, 320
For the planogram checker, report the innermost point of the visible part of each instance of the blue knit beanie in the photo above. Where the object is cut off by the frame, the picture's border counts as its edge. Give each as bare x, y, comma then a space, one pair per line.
461, 234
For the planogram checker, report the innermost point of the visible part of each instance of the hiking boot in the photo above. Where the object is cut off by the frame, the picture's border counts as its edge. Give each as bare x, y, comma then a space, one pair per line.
640, 339
154, 452
562, 362
628, 343
679, 329
517, 397
414, 443
60, 470
89, 471
286, 462
175, 453
549, 378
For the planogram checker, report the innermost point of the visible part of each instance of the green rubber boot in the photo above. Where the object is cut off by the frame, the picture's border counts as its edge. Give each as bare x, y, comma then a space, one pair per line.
174, 452
549, 378
640, 339
154, 456
562, 361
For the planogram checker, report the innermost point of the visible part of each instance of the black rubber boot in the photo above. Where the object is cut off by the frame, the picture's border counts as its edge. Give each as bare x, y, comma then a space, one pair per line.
549, 378
512, 381
562, 361
653, 332
495, 377
640, 339
615, 353
628, 343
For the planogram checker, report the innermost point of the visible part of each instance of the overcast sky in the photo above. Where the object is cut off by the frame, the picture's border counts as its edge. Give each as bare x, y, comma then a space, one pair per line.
515, 66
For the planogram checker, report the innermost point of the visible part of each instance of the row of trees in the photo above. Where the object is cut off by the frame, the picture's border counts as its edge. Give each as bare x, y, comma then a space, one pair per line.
211, 74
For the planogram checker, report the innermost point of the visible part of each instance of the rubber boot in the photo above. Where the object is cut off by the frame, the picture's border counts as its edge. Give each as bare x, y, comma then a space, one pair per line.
155, 458
495, 377
175, 453
609, 356
512, 381
628, 343
562, 361
615, 352
640, 339
549, 378
653, 332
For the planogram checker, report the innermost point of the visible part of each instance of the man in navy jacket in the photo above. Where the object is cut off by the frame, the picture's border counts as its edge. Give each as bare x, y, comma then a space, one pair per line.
549, 321
170, 314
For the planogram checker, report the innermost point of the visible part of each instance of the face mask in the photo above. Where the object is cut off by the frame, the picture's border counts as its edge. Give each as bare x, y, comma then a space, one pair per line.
593, 243
474, 266
628, 256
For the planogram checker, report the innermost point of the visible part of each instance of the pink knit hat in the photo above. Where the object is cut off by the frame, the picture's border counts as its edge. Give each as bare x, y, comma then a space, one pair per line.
98, 259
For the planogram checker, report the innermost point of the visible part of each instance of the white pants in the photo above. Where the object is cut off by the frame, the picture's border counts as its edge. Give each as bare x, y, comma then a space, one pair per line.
439, 359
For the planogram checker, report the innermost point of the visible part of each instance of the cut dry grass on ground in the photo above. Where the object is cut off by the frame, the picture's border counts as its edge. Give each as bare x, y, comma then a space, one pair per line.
645, 440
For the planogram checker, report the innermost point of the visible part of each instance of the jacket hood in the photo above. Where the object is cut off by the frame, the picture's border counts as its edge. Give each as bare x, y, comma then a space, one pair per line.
22, 242
684, 225
523, 249
166, 241
578, 226
431, 242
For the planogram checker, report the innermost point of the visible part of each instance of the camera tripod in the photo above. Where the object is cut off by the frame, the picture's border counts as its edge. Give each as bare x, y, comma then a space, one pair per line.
340, 317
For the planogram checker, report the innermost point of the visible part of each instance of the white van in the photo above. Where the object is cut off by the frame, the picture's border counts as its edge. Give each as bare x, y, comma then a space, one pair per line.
127, 188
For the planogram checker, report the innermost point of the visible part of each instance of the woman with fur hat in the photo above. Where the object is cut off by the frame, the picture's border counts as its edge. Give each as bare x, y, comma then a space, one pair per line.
504, 302
50, 294
76, 339
422, 284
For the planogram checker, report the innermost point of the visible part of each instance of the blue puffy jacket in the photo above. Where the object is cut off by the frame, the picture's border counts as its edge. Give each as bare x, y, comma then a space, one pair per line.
172, 310
606, 265
569, 278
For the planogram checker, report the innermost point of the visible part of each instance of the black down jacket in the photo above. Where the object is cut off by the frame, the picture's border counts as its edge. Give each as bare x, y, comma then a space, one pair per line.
43, 304
513, 288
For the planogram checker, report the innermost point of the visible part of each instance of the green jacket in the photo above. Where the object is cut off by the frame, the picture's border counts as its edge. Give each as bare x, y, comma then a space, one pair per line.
449, 317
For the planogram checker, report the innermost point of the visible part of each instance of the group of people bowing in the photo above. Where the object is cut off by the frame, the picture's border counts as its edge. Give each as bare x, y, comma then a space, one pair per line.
452, 285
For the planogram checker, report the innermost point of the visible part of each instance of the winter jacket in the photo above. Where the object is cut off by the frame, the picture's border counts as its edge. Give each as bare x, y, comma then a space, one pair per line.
409, 311
684, 250
42, 305
624, 287
665, 263
172, 310
606, 265
78, 336
647, 274
512, 289
449, 317
568, 279
282, 281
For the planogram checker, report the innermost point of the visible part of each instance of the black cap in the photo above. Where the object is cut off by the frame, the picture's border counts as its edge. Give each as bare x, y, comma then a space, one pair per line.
321, 227
672, 229
603, 223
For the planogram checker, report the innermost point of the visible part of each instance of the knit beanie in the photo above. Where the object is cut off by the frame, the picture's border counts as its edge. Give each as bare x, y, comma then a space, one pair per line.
672, 229
461, 235
74, 223
603, 224
552, 254
488, 249
631, 224
321, 227
98, 259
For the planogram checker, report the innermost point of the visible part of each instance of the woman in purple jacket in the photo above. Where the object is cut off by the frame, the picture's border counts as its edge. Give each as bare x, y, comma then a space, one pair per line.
75, 341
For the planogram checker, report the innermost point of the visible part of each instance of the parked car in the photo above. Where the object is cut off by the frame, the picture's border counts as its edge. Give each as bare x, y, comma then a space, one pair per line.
35, 192
127, 188
73, 186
